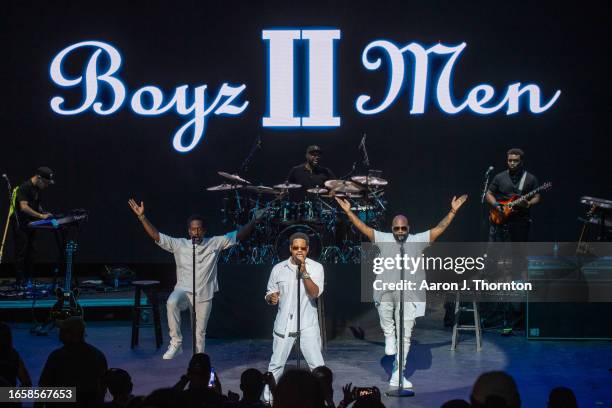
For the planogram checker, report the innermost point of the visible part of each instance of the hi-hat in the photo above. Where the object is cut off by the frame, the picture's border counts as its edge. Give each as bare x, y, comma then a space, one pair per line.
317, 190
225, 187
287, 186
370, 180
343, 195
261, 189
343, 186
233, 177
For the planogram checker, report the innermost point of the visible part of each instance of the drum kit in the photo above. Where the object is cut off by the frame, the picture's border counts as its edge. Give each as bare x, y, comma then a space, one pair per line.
333, 239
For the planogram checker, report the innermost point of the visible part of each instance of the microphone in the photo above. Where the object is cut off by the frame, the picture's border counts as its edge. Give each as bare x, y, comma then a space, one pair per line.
4, 176
402, 238
489, 170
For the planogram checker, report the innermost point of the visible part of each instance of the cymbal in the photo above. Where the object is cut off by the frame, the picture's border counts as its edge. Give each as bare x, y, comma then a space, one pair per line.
370, 180
225, 187
317, 190
342, 195
262, 189
287, 186
233, 177
343, 186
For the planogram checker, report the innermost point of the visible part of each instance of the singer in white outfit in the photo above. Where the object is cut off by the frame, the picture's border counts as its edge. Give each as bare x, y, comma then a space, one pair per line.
208, 251
387, 302
282, 291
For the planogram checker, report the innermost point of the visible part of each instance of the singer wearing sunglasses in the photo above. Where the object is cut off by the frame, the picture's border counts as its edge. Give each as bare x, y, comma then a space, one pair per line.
386, 302
292, 324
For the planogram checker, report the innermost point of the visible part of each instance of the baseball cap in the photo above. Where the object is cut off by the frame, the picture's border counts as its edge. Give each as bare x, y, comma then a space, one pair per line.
314, 148
46, 173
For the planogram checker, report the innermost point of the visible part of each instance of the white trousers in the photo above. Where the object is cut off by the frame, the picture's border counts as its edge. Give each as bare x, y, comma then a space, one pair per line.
389, 315
178, 301
310, 345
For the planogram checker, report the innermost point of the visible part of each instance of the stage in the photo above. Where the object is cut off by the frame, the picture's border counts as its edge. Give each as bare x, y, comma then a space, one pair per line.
133, 154
437, 373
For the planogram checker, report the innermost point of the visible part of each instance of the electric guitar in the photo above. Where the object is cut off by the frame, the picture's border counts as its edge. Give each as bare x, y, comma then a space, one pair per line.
498, 218
67, 304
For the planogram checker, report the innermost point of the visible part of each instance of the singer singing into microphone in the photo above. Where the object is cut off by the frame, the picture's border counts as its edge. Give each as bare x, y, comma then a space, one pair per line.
208, 251
386, 301
282, 291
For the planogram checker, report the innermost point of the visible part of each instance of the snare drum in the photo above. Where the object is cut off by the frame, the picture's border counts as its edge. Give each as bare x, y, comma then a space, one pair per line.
285, 213
310, 212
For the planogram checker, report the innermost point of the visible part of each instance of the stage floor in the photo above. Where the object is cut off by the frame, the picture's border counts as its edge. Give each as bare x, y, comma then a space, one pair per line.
437, 373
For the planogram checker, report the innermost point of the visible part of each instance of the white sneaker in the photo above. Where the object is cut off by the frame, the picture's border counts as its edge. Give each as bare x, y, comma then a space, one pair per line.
390, 346
394, 382
173, 351
267, 395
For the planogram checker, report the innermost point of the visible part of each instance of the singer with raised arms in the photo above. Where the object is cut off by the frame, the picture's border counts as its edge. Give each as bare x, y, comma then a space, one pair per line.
207, 253
387, 302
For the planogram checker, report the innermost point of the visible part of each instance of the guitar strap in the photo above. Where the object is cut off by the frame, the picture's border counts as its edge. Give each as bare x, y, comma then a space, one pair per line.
522, 182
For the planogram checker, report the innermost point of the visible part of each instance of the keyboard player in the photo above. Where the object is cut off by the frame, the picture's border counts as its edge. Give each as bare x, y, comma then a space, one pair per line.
27, 207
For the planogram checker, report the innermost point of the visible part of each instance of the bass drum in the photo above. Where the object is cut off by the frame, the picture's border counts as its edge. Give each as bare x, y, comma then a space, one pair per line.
282, 241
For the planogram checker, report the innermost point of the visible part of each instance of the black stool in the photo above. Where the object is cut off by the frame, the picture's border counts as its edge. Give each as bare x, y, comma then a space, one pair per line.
151, 289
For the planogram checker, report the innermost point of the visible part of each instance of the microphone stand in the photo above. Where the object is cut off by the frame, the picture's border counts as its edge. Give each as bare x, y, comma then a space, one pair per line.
483, 203
486, 185
8, 217
366, 159
244, 167
299, 298
193, 306
401, 392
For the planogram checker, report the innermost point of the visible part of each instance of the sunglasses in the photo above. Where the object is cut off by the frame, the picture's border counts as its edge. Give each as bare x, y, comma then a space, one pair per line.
297, 248
400, 228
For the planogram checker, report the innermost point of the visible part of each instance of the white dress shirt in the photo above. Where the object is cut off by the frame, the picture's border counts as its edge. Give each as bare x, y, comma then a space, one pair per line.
207, 255
283, 280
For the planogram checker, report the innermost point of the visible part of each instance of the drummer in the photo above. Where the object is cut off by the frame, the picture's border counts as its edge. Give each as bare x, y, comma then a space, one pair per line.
310, 174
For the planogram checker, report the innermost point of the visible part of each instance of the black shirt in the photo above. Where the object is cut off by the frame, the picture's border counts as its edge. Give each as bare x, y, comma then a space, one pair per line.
309, 179
504, 185
27, 191
81, 366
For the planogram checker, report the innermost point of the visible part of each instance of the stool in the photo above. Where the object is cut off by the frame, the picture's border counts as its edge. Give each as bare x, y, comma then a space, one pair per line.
475, 327
150, 289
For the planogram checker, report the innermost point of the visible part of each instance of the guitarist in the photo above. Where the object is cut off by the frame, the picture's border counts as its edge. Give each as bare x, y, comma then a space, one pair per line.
514, 181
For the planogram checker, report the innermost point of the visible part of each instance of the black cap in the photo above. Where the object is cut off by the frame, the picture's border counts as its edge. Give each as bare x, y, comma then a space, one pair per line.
46, 173
313, 148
